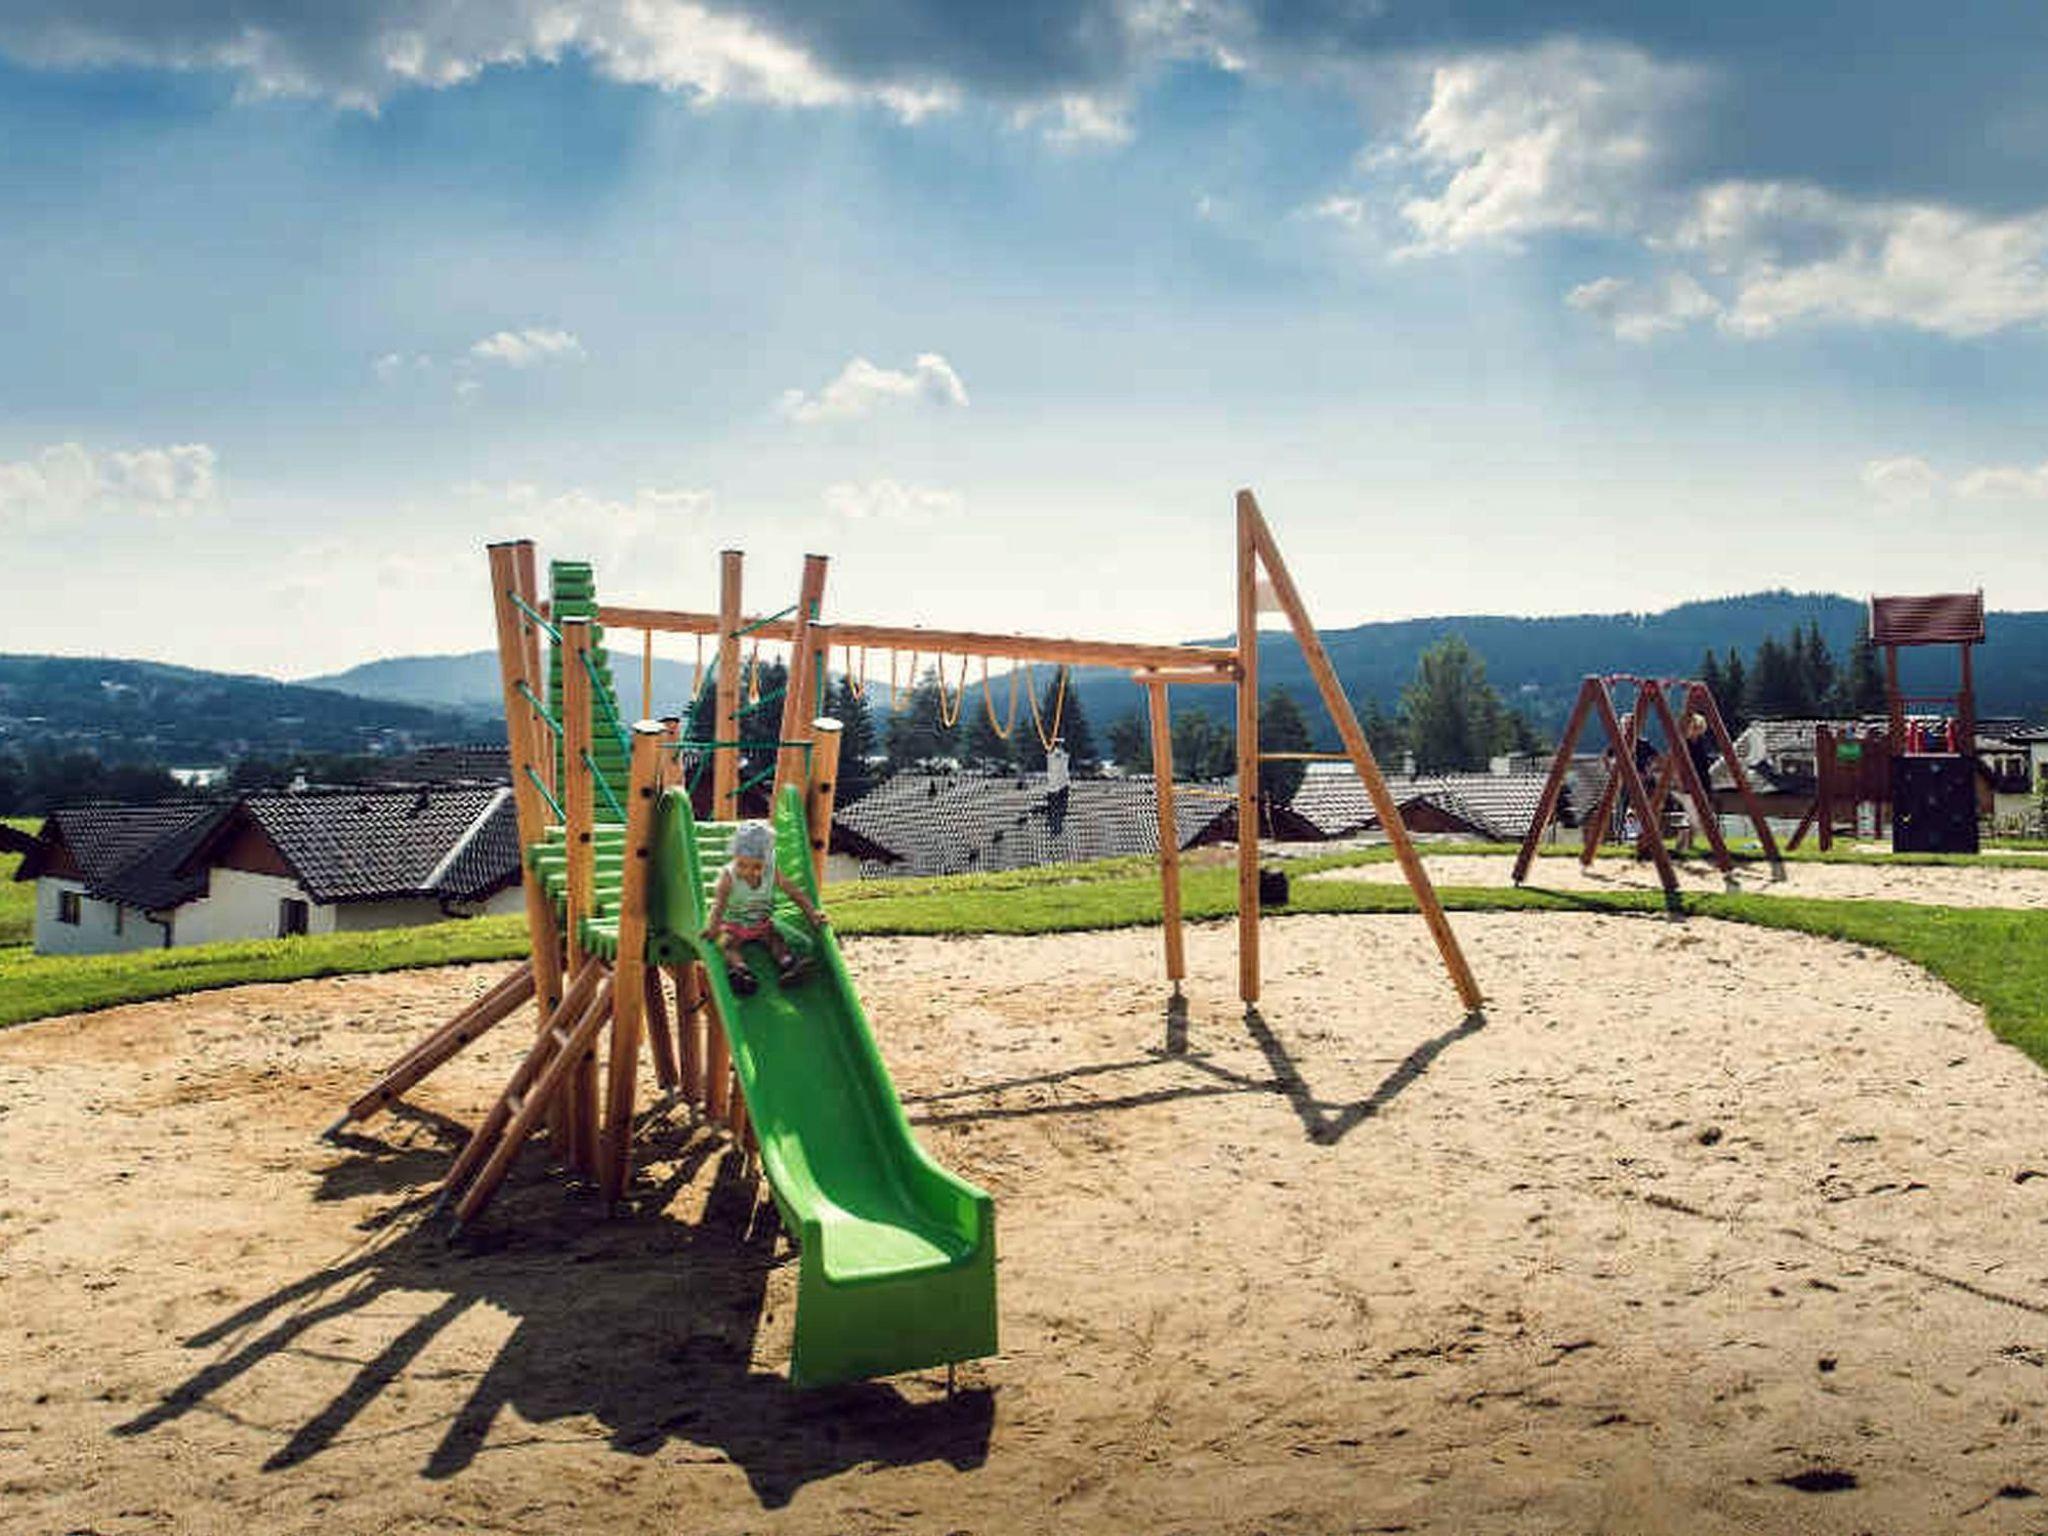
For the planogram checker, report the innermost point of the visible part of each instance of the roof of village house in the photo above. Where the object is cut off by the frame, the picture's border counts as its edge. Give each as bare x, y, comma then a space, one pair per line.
128, 853
952, 823
1494, 805
384, 844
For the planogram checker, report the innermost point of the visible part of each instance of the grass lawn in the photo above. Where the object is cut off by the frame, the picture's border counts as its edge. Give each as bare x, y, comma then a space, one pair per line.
17, 902
1995, 958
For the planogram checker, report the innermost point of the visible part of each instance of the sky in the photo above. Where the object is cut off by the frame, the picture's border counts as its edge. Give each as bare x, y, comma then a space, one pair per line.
1588, 306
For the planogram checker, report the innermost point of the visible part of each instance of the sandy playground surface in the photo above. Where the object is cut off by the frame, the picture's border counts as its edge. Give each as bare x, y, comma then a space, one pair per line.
1950, 885
1703, 1229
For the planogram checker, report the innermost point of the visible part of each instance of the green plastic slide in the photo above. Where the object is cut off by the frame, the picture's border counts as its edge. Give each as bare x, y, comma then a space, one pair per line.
898, 1255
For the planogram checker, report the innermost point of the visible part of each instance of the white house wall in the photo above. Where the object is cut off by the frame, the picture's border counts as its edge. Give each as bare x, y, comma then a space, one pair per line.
240, 904
101, 929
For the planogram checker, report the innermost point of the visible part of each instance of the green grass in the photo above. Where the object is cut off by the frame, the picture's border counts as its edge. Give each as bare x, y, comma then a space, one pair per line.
36, 986
1995, 958
17, 902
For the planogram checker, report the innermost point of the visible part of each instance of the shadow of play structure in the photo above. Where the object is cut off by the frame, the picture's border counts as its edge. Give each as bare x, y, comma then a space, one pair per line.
624, 830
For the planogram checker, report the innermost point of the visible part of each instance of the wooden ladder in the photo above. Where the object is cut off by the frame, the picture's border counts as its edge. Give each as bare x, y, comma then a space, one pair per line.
568, 1037
481, 1016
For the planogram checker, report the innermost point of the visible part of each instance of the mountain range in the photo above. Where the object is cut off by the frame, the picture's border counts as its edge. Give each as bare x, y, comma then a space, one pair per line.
1536, 663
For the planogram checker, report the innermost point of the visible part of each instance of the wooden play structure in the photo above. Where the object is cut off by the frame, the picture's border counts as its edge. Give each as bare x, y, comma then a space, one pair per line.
1851, 769
1649, 801
1932, 782
624, 827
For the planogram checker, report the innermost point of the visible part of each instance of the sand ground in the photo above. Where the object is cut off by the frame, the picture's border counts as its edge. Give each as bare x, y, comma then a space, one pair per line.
1699, 1229
1951, 885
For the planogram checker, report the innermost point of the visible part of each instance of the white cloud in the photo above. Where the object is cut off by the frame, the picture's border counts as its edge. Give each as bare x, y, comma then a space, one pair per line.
1339, 209
2005, 482
654, 528
393, 365
525, 348
1585, 138
1902, 480
1796, 253
1078, 121
1641, 311
1561, 137
358, 56
889, 500
861, 388
67, 479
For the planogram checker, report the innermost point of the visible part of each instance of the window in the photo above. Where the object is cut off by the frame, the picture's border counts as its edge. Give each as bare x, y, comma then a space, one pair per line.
291, 918
67, 907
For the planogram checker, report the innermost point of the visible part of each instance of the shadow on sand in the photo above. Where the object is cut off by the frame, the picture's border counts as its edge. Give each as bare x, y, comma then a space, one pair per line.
646, 1325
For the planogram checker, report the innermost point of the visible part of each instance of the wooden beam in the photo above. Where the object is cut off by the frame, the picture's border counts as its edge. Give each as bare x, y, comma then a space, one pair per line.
1353, 736
1701, 698
1184, 677
661, 1044
725, 761
629, 969
511, 994
1169, 832
1247, 752
1638, 794
1553, 785
1700, 802
1595, 830
821, 793
953, 642
797, 704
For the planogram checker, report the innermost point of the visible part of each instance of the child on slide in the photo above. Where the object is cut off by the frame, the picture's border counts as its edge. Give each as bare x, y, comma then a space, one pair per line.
743, 903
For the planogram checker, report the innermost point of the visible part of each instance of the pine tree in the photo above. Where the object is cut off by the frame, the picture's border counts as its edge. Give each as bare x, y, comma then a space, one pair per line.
1822, 681
1382, 732
1863, 684
1130, 742
1775, 684
920, 733
1202, 747
1799, 679
982, 745
1075, 733
1735, 704
856, 739
1450, 712
1281, 729
1713, 681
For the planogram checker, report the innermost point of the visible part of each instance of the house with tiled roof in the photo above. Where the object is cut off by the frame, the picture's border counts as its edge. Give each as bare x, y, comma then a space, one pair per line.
950, 823
112, 877
1496, 806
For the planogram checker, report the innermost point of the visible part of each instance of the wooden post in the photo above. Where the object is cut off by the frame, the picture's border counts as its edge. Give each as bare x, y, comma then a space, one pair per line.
822, 793
629, 970
690, 1031
1553, 786
579, 810
518, 650
527, 579
1353, 736
1701, 698
1824, 757
1966, 712
1895, 702
1596, 830
798, 705
1247, 751
660, 1042
1169, 832
725, 761
717, 1064
1638, 794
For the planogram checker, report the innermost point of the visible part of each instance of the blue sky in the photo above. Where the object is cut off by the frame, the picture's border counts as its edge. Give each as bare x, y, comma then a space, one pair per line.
1499, 307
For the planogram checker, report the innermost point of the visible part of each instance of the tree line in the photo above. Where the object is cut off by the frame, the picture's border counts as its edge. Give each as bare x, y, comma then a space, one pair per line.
1795, 678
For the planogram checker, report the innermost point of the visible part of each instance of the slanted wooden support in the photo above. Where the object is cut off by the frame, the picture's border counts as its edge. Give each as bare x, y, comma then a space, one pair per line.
718, 1094
503, 1000
1548, 802
1638, 794
544, 1074
660, 1043
629, 969
530, 748
798, 705
822, 792
1700, 699
1594, 831
1699, 799
689, 1034
1353, 737
546, 1049
725, 761
1169, 833
1247, 751
579, 805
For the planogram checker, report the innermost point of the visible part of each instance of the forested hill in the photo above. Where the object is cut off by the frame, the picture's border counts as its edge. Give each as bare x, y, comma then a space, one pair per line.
1537, 664
146, 711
